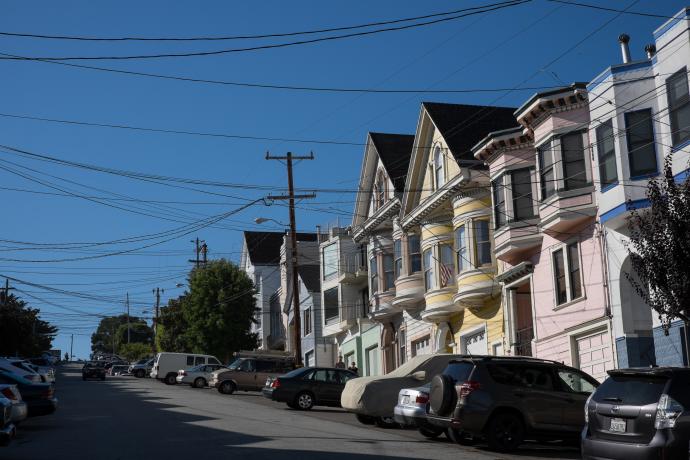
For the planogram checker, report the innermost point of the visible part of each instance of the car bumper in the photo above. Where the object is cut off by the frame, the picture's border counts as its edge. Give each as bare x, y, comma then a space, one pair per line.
183, 380
267, 392
42, 407
6, 434
19, 412
664, 444
409, 415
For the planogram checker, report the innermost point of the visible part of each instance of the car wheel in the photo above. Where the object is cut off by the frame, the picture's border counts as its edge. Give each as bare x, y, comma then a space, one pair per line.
139, 373
385, 422
442, 394
227, 388
505, 432
430, 433
200, 382
304, 401
459, 437
170, 379
365, 419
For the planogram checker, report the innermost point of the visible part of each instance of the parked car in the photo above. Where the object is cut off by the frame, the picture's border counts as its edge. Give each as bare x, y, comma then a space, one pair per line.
166, 365
93, 370
373, 399
109, 364
249, 374
7, 429
26, 372
504, 399
639, 414
307, 387
19, 408
39, 397
142, 368
47, 373
198, 376
412, 408
118, 369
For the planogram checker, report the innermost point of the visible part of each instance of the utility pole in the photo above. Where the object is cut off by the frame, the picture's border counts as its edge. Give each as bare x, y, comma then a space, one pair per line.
71, 344
157, 293
199, 248
127, 317
6, 292
291, 197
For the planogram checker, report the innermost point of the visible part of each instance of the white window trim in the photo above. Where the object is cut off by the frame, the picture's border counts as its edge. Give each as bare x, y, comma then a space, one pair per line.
437, 146
566, 264
473, 331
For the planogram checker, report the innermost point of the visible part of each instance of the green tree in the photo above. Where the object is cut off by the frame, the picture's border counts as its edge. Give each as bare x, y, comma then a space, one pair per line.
659, 248
134, 351
220, 309
172, 327
139, 332
22, 331
105, 339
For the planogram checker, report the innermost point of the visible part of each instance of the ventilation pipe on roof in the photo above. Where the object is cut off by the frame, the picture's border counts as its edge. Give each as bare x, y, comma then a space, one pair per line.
651, 50
624, 39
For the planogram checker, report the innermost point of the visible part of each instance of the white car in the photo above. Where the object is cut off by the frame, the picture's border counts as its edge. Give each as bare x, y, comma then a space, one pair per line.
198, 376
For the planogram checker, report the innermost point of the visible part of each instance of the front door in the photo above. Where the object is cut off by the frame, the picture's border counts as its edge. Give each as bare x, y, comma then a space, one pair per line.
327, 386
575, 388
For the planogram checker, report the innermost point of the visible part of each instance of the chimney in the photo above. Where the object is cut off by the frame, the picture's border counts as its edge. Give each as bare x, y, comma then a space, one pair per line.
624, 39
651, 50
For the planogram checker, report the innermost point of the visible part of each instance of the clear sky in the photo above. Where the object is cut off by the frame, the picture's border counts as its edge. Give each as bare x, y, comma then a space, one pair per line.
493, 50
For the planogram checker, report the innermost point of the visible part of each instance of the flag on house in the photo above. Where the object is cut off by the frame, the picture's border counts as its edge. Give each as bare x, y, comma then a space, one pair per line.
446, 274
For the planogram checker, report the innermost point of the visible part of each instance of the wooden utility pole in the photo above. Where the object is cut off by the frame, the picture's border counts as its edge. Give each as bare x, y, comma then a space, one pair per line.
157, 292
128, 317
6, 291
291, 197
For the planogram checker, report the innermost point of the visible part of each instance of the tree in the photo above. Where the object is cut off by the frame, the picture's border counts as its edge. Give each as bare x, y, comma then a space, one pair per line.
134, 351
172, 327
139, 332
220, 309
105, 339
659, 248
22, 332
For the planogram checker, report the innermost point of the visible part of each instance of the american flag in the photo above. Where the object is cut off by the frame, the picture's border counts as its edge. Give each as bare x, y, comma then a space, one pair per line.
446, 274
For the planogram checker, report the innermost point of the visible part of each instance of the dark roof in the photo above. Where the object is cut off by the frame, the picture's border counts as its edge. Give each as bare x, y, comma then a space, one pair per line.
264, 247
311, 277
395, 151
462, 126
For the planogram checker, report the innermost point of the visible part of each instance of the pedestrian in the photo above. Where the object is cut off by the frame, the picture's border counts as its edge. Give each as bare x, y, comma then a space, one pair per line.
340, 364
353, 368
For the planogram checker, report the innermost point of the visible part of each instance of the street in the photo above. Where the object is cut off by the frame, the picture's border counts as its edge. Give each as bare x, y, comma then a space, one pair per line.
129, 418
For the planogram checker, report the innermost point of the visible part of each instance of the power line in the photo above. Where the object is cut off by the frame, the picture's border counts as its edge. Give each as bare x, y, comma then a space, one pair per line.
614, 10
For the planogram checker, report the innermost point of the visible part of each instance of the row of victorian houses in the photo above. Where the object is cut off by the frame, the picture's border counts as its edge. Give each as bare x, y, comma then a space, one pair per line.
495, 230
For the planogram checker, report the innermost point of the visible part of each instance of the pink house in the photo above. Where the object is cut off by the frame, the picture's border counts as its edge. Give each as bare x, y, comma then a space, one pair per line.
547, 239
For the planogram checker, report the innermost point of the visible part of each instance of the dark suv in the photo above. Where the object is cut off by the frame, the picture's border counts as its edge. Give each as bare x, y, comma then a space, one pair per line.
639, 414
507, 399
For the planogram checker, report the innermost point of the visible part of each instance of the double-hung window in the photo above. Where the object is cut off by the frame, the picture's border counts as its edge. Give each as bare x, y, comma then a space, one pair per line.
428, 257
446, 265
482, 243
330, 261
461, 249
397, 248
574, 161
414, 252
388, 272
523, 202
606, 150
439, 173
306, 321
374, 275
567, 273
679, 106
499, 202
547, 176
641, 148
330, 305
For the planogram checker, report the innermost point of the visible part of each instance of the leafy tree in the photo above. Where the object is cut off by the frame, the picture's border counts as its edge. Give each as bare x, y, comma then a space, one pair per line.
105, 339
139, 332
659, 248
22, 332
134, 351
172, 327
220, 309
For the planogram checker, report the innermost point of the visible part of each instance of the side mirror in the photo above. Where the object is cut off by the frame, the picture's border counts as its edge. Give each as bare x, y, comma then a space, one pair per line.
419, 375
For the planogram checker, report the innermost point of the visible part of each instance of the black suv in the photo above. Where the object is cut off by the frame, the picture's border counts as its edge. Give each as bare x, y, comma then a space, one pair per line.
639, 414
507, 399
93, 370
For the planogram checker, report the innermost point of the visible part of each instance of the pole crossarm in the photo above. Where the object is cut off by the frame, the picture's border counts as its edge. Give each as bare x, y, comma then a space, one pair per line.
288, 197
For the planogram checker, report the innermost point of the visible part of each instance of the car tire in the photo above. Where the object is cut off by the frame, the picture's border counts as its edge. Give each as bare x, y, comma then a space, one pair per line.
170, 379
385, 422
365, 419
430, 433
227, 388
505, 432
442, 395
139, 373
199, 382
304, 400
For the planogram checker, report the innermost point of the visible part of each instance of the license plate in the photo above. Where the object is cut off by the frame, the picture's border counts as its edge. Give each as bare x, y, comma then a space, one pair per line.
617, 425
406, 399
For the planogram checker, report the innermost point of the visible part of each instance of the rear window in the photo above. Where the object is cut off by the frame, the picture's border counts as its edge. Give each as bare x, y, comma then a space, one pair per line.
460, 372
296, 372
633, 390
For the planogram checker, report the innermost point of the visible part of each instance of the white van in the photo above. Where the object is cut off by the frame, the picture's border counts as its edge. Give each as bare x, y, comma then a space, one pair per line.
166, 365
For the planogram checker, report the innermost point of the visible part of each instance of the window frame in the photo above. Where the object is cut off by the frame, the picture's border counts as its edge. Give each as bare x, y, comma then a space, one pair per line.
674, 106
632, 148
579, 134
606, 157
438, 166
547, 148
477, 262
333, 273
398, 258
451, 263
463, 261
414, 253
326, 318
373, 275
388, 272
428, 268
516, 197
380, 189
306, 322
499, 202
565, 250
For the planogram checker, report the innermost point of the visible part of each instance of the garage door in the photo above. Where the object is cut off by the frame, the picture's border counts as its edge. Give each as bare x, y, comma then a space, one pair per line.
475, 344
594, 354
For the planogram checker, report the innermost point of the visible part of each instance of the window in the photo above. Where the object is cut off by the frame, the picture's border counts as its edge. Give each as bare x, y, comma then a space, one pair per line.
330, 305
247, 365
414, 251
568, 283
345, 376
523, 203
388, 274
428, 269
263, 365
499, 202
538, 377
575, 382
402, 347
608, 173
547, 178
199, 360
559, 276
574, 162
483, 243
574, 271
641, 149
374, 275
397, 248
679, 106
190, 360
461, 249
213, 361
380, 190
330, 261
325, 376
420, 346
439, 174
306, 322
446, 266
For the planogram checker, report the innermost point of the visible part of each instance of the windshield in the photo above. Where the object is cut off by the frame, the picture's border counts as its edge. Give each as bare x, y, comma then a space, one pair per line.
233, 366
631, 389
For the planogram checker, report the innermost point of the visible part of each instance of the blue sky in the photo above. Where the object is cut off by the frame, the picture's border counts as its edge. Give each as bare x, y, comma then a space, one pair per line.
493, 50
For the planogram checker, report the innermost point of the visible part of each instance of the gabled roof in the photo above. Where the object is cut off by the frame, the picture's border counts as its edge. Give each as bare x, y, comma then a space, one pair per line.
462, 126
394, 151
264, 247
311, 277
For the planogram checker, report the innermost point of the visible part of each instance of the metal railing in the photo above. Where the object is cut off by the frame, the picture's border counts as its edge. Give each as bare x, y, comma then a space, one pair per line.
523, 341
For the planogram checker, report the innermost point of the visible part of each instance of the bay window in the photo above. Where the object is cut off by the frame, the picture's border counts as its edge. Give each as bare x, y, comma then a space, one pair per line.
461, 249
574, 161
521, 186
499, 202
388, 272
414, 252
482, 243
374, 275
641, 149
547, 176
397, 249
679, 106
428, 269
446, 265
606, 151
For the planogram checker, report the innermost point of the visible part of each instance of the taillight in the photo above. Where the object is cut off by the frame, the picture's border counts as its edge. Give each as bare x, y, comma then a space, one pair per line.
468, 387
422, 398
9, 394
183, 373
667, 412
275, 384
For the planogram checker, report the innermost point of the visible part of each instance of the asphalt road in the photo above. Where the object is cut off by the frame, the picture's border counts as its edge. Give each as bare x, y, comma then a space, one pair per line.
129, 418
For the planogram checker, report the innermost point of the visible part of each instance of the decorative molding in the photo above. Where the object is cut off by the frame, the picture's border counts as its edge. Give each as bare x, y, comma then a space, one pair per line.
518, 271
388, 210
433, 201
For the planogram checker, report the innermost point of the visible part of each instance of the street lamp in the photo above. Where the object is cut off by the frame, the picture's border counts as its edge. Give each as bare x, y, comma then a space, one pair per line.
261, 220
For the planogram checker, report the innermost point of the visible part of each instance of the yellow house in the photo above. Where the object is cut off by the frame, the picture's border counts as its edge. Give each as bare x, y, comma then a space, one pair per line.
443, 237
